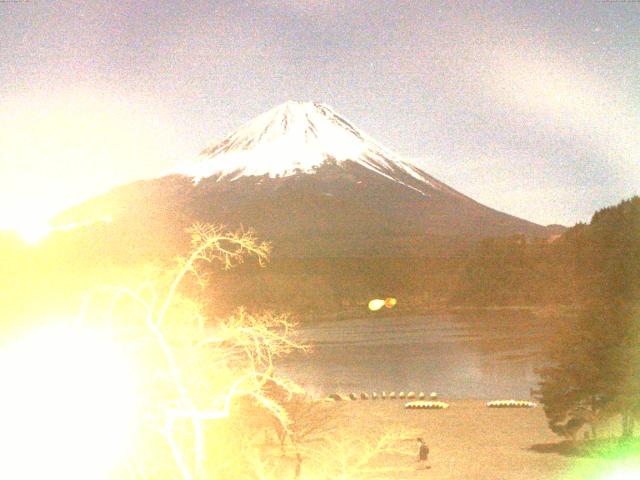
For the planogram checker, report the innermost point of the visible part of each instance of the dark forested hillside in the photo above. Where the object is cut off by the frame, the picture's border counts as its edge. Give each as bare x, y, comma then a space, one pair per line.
513, 270
516, 271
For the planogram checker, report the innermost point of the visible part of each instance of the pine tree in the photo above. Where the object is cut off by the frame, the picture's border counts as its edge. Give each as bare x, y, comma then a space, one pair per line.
594, 370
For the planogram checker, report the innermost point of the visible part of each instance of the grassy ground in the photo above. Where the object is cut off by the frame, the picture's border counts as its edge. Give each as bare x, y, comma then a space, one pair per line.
466, 441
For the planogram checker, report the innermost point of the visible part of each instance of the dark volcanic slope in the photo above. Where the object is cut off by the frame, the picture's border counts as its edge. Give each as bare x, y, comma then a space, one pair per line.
344, 210
350, 210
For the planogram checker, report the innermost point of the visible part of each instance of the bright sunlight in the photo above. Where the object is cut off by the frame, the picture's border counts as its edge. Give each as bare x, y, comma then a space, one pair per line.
30, 229
51, 149
67, 406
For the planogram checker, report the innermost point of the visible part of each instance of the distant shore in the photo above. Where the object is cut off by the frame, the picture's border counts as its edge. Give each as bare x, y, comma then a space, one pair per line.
552, 310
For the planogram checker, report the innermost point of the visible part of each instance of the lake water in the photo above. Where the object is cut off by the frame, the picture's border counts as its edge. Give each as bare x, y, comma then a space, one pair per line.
487, 355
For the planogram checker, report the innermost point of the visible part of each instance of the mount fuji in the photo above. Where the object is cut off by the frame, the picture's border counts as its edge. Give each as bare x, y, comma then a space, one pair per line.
310, 182
295, 138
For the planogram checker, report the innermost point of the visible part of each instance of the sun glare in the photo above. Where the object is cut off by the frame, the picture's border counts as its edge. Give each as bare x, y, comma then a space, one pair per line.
27, 224
67, 406
59, 151
32, 232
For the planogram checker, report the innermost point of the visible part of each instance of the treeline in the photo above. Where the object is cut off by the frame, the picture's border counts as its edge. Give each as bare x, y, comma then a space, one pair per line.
518, 271
511, 271
336, 287
496, 272
564, 270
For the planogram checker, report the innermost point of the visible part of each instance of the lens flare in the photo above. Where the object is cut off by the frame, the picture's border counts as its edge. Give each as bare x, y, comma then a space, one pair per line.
67, 407
390, 302
624, 474
376, 304
614, 459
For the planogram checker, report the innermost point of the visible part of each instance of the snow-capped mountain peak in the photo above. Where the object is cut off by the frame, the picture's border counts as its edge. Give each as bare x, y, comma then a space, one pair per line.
296, 137
294, 122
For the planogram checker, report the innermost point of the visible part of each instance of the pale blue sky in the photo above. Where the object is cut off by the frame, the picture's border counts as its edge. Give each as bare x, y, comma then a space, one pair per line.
532, 108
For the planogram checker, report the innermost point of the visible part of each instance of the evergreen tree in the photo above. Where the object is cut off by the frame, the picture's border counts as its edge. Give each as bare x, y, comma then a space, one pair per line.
594, 369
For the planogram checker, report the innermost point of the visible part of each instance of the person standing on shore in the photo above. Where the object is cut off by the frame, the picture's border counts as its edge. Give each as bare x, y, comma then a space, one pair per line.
423, 454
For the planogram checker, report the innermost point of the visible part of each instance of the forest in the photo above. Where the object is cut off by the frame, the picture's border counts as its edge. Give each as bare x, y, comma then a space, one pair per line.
496, 272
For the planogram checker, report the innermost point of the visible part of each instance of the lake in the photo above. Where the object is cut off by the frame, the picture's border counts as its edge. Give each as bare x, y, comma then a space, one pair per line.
480, 355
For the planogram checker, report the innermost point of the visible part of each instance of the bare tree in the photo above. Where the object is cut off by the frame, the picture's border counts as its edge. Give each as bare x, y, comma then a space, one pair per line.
194, 371
349, 457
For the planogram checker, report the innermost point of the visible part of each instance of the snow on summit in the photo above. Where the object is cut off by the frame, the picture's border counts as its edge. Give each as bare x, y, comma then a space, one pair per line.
291, 138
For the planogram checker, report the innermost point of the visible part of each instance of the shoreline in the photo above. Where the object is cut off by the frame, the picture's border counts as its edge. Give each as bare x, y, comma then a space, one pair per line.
542, 311
466, 440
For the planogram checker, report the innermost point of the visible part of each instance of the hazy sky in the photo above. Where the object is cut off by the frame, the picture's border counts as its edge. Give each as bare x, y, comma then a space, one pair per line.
532, 108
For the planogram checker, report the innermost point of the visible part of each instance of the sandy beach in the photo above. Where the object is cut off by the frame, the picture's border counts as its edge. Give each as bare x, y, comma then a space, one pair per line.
466, 441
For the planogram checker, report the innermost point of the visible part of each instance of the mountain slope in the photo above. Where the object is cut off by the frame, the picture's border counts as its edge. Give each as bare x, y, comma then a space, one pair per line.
309, 181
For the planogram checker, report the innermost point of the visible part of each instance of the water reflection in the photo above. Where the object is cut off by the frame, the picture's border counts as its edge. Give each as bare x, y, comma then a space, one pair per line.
479, 355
